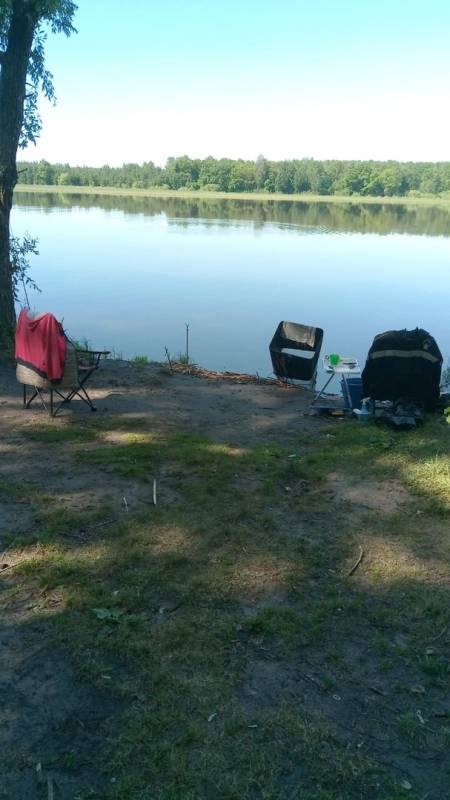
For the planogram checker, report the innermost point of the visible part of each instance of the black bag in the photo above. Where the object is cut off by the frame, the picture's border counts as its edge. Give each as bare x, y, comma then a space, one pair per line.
403, 364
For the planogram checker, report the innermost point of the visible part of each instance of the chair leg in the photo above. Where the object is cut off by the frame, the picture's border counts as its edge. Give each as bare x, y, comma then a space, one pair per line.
86, 398
30, 400
80, 392
27, 401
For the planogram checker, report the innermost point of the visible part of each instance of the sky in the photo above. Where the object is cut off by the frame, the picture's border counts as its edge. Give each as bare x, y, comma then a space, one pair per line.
344, 79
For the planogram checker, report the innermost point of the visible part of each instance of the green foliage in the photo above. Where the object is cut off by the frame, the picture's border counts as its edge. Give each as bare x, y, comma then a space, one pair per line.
57, 16
20, 249
83, 344
360, 178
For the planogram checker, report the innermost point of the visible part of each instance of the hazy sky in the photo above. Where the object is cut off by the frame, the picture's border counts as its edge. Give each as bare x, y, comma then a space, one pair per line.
146, 79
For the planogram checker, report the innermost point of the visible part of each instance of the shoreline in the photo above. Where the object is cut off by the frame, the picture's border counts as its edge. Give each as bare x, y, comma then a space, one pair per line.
185, 194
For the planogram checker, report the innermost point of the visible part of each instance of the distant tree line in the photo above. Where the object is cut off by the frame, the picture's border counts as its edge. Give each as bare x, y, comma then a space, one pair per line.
364, 178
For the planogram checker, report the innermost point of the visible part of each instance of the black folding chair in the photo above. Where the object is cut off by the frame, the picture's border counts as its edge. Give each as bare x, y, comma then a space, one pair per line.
302, 364
79, 367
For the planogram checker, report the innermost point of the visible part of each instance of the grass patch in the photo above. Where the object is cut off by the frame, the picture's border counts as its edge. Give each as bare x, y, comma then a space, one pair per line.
56, 434
418, 459
278, 622
23, 492
250, 664
53, 522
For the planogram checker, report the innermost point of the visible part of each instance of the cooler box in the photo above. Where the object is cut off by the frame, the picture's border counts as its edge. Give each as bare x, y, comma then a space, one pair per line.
353, 391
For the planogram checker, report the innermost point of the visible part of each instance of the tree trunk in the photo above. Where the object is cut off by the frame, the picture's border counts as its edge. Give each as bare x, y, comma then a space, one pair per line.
7, 313
13, 75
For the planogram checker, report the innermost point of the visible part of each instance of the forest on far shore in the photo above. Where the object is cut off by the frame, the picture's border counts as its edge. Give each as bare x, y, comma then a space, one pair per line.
364, 178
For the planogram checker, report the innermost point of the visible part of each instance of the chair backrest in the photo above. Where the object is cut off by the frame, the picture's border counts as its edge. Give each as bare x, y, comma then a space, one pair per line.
70, 377
40, 345
305, 339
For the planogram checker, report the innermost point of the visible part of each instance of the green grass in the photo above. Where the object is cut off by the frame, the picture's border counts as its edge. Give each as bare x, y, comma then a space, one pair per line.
242, 655
141, 360
22, 492
84, 344
183, 358
57, 434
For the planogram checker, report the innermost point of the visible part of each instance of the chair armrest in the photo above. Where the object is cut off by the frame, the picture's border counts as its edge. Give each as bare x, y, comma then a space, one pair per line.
91, 356
94, 352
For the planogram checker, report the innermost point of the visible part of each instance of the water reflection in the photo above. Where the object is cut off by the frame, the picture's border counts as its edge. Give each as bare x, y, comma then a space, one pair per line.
381, 218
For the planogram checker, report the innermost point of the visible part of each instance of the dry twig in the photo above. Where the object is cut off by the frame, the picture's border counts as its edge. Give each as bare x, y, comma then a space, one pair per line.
357, 563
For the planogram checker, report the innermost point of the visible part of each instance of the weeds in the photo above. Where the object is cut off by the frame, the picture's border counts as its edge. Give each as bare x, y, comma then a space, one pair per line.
141, 360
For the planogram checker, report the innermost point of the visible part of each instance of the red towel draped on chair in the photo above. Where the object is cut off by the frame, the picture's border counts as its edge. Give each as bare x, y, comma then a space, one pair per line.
41, 345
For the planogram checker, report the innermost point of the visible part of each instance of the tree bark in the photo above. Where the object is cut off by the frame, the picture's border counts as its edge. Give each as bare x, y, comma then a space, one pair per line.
13, 74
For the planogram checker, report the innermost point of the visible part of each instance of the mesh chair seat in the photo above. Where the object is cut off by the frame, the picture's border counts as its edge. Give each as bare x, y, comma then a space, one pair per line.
305, 339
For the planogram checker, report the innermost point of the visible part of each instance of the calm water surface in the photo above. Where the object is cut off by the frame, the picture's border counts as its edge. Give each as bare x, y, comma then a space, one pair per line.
128, 273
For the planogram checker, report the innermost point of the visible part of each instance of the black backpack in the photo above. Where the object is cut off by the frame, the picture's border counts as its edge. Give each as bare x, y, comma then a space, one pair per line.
403, 365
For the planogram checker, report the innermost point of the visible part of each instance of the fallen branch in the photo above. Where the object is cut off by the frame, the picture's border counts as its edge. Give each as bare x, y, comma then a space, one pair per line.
233, 377
357, 563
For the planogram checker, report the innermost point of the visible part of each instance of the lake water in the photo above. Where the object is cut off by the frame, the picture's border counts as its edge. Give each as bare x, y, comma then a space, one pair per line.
128, 273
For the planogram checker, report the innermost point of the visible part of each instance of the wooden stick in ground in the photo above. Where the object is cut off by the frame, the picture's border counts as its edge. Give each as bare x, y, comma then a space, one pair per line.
357, 563
187, 343
168, 359
154, 492
50, 793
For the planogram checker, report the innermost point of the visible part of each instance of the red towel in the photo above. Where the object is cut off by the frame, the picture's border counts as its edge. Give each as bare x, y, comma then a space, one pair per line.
41, 345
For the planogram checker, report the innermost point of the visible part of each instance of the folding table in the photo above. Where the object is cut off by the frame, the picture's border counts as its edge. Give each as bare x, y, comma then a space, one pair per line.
346, 367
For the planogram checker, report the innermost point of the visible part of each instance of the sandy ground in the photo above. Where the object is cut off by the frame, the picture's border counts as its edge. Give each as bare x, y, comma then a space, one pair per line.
241, 413
220, 409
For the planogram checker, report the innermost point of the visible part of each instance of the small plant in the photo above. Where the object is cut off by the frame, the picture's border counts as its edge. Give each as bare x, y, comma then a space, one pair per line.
182, 358
328, 681
141, 360
408, 725
82, 344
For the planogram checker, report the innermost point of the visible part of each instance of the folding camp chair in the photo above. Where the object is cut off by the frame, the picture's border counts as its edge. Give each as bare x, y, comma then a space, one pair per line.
79, 366
301, 366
